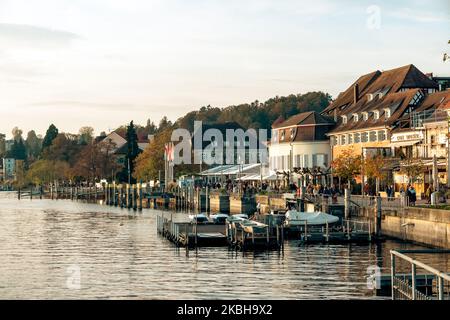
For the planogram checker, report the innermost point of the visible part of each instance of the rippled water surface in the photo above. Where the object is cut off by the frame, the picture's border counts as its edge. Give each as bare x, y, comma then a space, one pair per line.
120, 256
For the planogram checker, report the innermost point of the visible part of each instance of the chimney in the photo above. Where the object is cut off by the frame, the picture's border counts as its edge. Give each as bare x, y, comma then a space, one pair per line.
355, 93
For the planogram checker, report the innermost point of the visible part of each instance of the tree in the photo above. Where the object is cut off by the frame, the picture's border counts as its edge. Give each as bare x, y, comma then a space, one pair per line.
33, 145
96, 161
132, 153
51, 134
347, 165
412, 168
374, 168
18, 150
164, 124
2, 145
151, 161
17, 134
64, 147
47, 171
86, 135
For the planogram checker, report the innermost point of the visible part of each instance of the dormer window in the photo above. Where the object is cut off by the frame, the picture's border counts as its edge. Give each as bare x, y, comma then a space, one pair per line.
370, 96
376, 114
292, 133
344, 119
387, 113
365, 116
282, 135
355, 117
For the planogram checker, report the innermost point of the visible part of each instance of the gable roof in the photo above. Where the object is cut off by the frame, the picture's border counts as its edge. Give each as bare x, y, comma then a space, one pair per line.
386, 82
397, 103
304, 118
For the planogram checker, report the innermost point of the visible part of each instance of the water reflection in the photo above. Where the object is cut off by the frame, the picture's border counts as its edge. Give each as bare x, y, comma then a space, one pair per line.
120, 256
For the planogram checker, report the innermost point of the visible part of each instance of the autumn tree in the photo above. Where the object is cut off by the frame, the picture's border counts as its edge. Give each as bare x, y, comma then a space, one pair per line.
347, 165
374, 168
412, 168
48, 171
64, 147
96, 161
33, 145
151, 161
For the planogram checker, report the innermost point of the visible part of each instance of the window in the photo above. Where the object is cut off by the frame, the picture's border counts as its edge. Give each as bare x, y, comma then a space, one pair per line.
365, 116
275, 136
343, 142
298, 161
357, 137
305, 161
355, 117
344, 119
282, 135
314, 160
350, 138
364, 137
387, 113
381, 135
292, 133
376, 115
369, 96
373, 136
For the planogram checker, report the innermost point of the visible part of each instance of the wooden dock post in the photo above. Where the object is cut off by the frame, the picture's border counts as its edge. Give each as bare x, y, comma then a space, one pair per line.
127, 192
140, 196
348, 230
40, 191
114, 194
134, 193
31, 192
18, 194
51, 191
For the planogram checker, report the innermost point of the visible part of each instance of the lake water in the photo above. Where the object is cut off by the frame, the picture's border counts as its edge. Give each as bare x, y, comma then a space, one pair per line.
69, 250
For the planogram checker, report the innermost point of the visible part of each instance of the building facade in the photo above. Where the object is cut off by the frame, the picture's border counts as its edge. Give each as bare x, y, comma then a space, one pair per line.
9, 169
299, 144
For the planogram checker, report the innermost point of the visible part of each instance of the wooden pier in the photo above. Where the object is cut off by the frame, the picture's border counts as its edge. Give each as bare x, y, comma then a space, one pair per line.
236, 233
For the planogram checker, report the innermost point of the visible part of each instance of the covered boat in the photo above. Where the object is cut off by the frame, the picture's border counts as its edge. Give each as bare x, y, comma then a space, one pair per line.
296, 218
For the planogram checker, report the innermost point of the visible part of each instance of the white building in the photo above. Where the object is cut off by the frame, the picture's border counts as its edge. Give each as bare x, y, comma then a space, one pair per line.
9, 168
300, 144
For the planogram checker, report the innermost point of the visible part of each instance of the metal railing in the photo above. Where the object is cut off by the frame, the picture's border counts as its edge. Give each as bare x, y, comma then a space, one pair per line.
404, 287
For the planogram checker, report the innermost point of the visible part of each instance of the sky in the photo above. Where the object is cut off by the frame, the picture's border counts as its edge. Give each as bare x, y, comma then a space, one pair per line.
103, 63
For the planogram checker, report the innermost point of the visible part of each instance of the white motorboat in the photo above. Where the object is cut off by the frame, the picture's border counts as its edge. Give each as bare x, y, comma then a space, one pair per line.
198, 218
296, 218
218, 218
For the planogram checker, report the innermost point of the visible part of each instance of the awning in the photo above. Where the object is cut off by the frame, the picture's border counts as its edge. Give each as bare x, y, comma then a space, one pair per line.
404, 143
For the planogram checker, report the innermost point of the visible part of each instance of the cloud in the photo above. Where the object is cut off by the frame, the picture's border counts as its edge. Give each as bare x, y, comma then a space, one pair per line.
33, 36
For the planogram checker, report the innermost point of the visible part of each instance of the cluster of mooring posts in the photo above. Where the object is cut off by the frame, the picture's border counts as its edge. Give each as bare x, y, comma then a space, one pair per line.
238, 233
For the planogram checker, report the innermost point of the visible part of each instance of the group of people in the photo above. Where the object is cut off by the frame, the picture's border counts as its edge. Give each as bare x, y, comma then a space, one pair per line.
410, 193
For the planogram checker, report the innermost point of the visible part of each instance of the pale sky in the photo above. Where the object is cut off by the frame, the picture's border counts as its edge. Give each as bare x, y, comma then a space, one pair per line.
102, 63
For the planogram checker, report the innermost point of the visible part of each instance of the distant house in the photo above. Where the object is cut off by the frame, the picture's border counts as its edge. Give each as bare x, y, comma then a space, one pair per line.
8, 168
